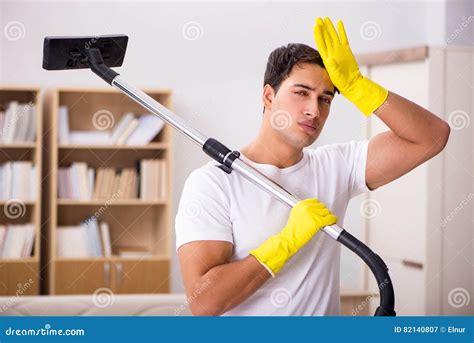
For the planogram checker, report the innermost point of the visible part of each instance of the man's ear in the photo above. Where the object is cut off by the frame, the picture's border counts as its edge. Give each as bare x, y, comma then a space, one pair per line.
268, 95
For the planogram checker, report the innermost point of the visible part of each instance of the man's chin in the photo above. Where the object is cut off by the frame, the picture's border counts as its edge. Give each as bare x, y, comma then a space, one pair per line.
301, 142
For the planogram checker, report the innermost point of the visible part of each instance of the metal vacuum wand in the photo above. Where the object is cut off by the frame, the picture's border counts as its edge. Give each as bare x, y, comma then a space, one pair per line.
88, 52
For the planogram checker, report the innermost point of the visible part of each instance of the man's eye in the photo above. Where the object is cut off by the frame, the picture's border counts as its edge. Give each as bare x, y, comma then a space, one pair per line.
303, 93
326, 100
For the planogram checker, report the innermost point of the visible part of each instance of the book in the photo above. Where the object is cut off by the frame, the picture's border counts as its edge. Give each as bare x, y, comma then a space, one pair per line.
18, 123
98, 182
121, 127
76, 181
149, 126
81, 180
89, 137
94, 244
127, 131
162, 189
6, 181
30, 238
153, 179
23, 118
18, 180
3, 231
90, 182
84, 183
33, 183
11, 120
71, 242
17, 241
88, 239
2, 123
31, 131
133, 251
144, 189
63, 124
106, 241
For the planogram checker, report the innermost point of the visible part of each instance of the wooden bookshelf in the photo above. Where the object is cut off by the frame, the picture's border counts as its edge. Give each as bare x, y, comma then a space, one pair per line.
21, 276
132, 221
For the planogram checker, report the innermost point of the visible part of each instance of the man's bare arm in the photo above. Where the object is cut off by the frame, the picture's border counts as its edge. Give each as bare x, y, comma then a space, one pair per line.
214, 285
415, 136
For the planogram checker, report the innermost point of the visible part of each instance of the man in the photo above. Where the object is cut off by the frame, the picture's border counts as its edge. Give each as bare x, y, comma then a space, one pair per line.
244, 253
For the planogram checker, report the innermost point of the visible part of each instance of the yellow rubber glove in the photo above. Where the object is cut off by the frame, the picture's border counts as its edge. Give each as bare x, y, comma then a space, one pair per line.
306, 218
343, 69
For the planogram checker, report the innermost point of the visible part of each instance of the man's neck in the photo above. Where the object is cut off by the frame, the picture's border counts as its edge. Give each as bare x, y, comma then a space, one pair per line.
269, 150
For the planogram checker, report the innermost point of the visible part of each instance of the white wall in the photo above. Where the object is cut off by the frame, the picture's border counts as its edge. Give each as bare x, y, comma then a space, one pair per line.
219, 75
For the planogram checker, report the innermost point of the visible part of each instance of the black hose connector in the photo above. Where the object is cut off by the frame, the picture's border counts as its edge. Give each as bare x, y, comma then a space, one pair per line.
215, 149
221, 154
378, 268
96, 62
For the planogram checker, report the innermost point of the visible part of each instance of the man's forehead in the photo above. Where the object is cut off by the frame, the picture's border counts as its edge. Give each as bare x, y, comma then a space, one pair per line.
310, 75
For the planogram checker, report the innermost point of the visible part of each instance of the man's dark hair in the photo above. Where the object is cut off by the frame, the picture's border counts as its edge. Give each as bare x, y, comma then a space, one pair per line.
282, 60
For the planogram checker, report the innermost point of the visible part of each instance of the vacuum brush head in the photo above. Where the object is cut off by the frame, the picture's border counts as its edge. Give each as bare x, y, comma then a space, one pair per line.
62, 53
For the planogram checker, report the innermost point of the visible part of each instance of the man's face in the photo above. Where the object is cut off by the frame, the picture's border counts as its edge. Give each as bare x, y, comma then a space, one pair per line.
301, 106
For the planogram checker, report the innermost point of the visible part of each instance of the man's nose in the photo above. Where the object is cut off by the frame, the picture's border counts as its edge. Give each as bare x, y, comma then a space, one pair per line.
312, 111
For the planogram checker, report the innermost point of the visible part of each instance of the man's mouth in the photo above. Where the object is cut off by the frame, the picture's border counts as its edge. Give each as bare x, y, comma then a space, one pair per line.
309, 128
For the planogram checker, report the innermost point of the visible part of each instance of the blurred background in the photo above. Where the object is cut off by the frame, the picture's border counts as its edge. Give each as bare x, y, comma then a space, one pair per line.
206, 61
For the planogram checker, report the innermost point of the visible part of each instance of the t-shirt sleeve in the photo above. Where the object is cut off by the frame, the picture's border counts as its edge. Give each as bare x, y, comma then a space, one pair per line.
204, 209
354, 154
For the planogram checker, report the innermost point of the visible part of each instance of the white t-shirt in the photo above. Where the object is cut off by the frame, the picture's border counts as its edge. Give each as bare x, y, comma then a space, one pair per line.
215, 205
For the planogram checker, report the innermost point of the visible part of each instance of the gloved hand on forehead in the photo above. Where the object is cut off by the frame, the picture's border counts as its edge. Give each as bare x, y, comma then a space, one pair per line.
342, 67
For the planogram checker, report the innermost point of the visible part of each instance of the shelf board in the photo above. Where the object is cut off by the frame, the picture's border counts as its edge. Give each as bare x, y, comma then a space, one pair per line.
20, 88
150, 146
18, 260
24, 202
147, 258
111, 90
113, 258
117, 202
18, 146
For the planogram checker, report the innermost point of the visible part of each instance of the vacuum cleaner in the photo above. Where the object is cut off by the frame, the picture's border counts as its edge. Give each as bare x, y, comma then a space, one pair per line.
101, 53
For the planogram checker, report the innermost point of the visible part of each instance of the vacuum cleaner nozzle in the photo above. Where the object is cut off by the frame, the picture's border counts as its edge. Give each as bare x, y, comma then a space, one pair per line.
60, 53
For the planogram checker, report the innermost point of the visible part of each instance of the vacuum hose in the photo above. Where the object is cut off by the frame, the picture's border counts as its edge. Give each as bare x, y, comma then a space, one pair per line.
378, 268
